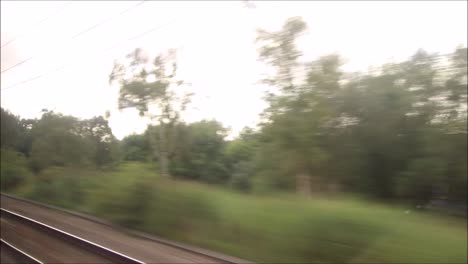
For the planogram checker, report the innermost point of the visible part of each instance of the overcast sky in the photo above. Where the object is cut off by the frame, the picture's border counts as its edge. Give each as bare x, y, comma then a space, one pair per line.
216, 42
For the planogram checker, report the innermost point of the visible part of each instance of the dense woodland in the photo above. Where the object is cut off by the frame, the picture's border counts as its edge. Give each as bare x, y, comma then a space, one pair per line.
398, 132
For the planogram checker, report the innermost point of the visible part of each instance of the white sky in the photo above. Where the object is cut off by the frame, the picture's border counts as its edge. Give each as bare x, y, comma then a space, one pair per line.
217, 51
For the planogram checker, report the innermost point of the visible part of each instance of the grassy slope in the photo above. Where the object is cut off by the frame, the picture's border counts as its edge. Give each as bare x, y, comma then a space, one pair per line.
279, 228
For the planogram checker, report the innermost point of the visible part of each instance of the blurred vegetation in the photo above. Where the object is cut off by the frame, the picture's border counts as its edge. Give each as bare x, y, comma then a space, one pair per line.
396, 134
277, 227
13, 169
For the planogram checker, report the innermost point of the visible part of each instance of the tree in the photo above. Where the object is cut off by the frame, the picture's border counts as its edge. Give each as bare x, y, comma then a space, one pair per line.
395, 132
302, 109
380, 131
402, 130
145, 86
57, 141
239, 158
135, 147
11, 129
105, 146
285, 110
199, 152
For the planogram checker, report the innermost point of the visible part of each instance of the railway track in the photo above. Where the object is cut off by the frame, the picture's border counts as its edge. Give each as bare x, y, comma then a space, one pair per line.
74, 248
79, 238
12, 254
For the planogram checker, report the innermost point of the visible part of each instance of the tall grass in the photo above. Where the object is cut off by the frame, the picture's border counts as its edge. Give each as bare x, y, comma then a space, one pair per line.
263, 228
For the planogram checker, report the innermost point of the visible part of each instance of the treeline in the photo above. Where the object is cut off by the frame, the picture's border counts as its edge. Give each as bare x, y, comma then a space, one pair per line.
398, 132
53, 140
196, 151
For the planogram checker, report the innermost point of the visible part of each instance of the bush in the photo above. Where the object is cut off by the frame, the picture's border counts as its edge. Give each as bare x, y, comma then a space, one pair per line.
179, 169
240, 179
13, 169
213, 172
167, 212
59, 186
115, 196
177, 213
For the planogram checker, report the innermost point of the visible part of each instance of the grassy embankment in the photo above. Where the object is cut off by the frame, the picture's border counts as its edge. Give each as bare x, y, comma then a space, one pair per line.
263, 228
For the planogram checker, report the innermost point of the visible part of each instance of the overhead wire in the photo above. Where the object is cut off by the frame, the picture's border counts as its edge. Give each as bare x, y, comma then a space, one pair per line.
82, 32
100, 52
17, 64
39, 23
107, 20
140, 35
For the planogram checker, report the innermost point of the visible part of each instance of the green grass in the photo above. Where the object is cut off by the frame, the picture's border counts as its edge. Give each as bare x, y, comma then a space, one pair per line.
278, 227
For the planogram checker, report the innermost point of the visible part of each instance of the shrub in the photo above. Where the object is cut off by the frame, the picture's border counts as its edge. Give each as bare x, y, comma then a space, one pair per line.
240, 178
176, 213
58, 186
13, 169
115, 196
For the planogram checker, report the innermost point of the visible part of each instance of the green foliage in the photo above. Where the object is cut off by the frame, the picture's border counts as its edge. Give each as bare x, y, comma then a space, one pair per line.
118, 196
398, 132
284, 228
137, 91
201, 156
280, 52
11, 129
241, 176
135, 148
270, 228
98, 133
133, 189
64, 187
13, 169
59, 140
15, 132
391, 133
178, 214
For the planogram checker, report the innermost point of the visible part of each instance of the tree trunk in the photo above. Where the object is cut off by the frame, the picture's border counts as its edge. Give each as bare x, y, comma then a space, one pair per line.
163, 161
